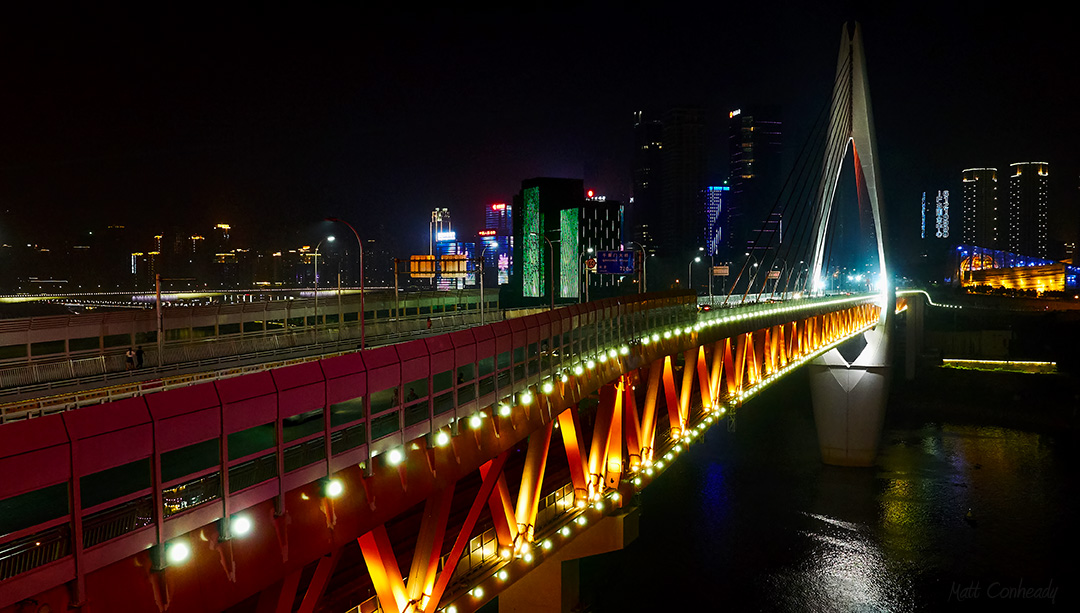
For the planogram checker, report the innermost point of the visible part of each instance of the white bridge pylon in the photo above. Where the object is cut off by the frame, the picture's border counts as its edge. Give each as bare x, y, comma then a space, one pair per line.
851, 126
850, 398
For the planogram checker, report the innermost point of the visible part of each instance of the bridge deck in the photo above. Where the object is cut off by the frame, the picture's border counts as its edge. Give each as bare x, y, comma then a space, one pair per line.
147, 472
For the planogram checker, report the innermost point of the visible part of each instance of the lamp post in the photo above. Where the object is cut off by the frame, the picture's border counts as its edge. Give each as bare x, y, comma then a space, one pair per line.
481, 277
551, 267
328, 239
689, 271
644, 258
749, 282
782, 269
358, 242
583, 267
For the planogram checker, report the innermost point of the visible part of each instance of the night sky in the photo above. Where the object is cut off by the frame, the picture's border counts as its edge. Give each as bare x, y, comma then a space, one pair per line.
271, 120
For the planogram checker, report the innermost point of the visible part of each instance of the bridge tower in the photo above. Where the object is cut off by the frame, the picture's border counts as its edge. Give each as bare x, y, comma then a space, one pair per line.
849, 385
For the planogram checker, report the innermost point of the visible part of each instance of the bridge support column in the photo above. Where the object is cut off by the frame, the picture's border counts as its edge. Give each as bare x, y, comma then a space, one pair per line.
913, 330
850, 399
554, 585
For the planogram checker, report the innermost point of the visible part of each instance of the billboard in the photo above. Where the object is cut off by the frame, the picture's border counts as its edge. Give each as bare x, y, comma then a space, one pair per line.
614, 262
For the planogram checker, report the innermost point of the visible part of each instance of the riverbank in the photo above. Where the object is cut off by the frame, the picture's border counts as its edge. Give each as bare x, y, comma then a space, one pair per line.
1014, 399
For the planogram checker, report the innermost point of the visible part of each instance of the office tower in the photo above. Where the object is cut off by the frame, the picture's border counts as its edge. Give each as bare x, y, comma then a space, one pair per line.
496, 242
715, 208
600, 223
938, 214
645, 208
980, 207
1028, 208
683, 166
756, 175
546, 210
439, 225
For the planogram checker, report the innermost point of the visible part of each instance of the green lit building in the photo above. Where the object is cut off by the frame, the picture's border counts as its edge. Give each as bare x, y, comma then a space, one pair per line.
557, 210
548, 209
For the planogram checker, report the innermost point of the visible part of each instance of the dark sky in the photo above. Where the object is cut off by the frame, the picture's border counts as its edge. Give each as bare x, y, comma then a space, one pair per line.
271, 120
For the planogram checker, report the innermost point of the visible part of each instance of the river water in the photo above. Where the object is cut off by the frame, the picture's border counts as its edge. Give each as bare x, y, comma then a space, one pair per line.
752, 520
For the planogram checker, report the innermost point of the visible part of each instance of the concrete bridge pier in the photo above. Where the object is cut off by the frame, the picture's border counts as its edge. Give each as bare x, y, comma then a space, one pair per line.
913, 331
555, 584
849, 387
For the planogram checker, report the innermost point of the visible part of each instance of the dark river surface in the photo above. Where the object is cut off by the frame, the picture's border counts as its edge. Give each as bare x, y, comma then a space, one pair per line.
753, 521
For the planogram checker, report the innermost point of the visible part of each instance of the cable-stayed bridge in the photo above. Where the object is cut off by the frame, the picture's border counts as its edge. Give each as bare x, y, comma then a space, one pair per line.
438, 473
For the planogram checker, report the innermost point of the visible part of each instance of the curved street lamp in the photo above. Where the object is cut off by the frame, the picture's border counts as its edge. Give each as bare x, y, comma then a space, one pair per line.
644, 258
551, 267
361, 244
328, 239
582, 266
689, 272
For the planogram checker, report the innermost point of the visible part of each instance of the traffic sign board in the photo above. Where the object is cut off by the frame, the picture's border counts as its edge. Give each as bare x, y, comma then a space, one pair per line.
614, 262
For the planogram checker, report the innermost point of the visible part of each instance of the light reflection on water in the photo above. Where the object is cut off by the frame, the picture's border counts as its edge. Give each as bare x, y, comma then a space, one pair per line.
753, 521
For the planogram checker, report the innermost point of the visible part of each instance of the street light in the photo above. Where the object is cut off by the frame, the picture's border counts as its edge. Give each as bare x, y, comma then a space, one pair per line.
328, 239
689, 271
644, 258
551, 265
777, 284
358, 242
482, 254
581, 265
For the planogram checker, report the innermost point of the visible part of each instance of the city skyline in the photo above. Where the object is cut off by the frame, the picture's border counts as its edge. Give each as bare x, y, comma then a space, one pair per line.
271, 127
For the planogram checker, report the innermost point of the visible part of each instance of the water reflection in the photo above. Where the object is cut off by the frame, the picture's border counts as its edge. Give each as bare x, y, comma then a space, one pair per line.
753, 521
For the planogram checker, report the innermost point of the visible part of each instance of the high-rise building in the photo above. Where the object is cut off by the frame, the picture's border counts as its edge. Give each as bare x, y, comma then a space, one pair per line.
980, 207
1028, 205
683, 167
936, 222
756, 175
715, 208
440, 224
546, 228
496, 242
646, 214
600, 224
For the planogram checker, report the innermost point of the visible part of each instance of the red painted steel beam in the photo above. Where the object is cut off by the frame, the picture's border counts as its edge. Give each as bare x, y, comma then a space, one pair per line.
321, 578
571, 433
425, 564
494, 469
383, 568
532, 478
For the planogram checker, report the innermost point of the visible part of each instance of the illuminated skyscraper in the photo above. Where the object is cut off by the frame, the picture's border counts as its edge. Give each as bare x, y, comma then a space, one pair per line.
980, 207
1028, 204
496, 242
439, 226
547, 209
646, 214
715, 208
756, 171
683, 172
936, 220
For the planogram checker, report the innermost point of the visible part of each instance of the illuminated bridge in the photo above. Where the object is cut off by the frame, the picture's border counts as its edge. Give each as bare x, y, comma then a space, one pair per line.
301, 484
433, 474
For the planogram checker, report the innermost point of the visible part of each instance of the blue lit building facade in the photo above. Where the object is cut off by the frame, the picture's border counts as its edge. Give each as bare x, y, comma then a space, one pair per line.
715, 209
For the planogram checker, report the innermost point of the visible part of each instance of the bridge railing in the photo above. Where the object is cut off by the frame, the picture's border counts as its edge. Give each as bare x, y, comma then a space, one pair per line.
40, 349
240, 441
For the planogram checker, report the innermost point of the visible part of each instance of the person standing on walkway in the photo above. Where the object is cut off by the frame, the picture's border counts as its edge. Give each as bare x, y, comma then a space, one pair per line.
129, 359
139, 353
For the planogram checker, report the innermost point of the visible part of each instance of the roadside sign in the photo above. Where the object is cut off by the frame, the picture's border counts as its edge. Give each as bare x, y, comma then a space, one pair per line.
614, 262
720, 271
774, 274
422, 266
